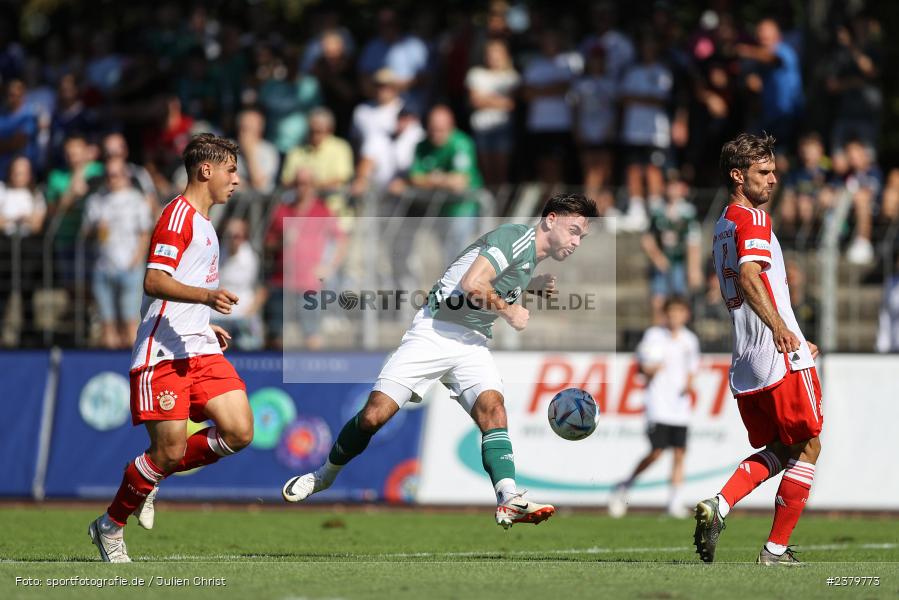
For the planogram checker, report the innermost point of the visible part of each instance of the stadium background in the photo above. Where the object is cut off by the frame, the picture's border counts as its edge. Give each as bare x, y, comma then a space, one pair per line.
157, 73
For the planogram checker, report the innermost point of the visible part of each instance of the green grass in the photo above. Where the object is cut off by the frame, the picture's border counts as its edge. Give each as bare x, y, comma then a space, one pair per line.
364, 553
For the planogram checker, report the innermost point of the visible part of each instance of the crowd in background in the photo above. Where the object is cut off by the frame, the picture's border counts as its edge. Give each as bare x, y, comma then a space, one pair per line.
631, 105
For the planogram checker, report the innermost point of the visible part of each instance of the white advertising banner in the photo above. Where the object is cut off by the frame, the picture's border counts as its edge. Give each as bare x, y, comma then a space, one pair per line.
853, 471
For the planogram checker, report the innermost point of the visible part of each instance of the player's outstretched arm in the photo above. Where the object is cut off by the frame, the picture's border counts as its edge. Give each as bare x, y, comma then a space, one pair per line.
756, 294
477, 283
159, 284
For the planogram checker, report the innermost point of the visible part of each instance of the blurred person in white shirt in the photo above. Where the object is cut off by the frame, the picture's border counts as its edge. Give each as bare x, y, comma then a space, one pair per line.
118, 218
668, 356
239, 273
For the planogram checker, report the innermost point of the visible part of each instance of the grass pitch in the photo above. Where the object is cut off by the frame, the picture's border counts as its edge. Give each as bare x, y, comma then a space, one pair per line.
359, 552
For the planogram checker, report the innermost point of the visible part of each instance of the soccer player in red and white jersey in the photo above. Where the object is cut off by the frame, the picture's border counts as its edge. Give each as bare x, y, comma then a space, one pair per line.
177, 367
772, 373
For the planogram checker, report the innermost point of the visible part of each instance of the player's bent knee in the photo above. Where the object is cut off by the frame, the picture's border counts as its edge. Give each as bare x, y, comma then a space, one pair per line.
372, 419
238, 439
167, 457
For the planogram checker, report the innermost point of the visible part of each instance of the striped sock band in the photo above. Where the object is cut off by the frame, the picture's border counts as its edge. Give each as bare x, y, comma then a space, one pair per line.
801, 473
216, 442
147, 469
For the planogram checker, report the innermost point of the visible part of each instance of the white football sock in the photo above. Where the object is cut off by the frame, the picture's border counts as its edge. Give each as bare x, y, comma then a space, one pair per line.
775, 548
674, 501
505, 489
723, 506
328, 472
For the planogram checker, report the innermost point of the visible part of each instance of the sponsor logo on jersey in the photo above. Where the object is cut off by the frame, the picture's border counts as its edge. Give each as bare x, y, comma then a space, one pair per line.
166, 400
165, 250
757, 245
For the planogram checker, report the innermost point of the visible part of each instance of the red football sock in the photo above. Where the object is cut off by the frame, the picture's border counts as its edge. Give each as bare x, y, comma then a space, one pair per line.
790, 500
140, 477
203, 448
751, 473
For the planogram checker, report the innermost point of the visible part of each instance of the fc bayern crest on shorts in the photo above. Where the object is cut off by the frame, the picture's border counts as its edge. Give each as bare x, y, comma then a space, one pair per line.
166, 400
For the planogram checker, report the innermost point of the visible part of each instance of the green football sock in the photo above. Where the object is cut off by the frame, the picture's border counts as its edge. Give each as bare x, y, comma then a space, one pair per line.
350, 443
496, 455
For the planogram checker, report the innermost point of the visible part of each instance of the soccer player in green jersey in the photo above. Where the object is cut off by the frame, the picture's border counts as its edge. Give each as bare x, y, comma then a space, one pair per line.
447, 342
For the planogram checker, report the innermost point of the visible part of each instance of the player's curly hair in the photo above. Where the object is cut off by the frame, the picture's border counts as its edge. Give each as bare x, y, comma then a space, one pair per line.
207, 147
571, 204
744, 150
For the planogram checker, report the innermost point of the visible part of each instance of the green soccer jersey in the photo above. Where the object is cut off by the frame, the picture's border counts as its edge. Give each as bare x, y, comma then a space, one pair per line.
512, 250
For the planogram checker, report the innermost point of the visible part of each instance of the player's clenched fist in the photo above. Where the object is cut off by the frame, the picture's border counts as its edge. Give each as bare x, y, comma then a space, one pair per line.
221, 301
517, 316
785, 340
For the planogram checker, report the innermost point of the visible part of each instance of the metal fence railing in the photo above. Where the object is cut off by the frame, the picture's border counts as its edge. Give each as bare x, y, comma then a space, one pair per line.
53, 280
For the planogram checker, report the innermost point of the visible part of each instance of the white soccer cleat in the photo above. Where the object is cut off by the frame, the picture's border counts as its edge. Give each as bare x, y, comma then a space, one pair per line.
146, 512
301, 487
518, 510
676, 511
618, 502
112, 548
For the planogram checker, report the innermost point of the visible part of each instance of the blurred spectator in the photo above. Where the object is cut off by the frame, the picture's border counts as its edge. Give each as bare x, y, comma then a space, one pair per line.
379, 116
806, 193
890, 203
302, 259
673, 245
386, 159
335, 71
240, 274
198, 88
645, 131
115, 146
888, 326
103, 70
70, 117
595, 95
547, 79
854, 83
328, 23
805, 307
446, 162
287, 96
864, 182
616, 45
164, 144
232, 68
329, 158
66, 191
405, 55
18, 127
12, 54
491, 91
779, 82
119, 220
258, 161
22, 212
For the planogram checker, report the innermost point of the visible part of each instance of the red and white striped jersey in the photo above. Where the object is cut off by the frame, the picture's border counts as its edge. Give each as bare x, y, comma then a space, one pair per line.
744, 234
185, 245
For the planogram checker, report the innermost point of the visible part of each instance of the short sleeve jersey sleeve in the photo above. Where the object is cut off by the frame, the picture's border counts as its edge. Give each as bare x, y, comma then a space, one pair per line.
500, 245
171, 237
753, 236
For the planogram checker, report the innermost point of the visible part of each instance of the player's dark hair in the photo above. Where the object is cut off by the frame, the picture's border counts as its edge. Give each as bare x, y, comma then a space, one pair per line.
571, 204
207, 147
741, 152
675, 300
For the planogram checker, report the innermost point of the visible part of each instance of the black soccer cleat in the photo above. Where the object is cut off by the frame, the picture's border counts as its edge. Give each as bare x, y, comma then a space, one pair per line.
709, 526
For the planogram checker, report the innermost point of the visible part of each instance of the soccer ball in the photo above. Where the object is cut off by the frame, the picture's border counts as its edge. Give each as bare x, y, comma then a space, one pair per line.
573, 414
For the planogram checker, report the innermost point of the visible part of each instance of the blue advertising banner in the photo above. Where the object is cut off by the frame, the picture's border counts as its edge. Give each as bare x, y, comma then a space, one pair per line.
295, 425
24, 377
